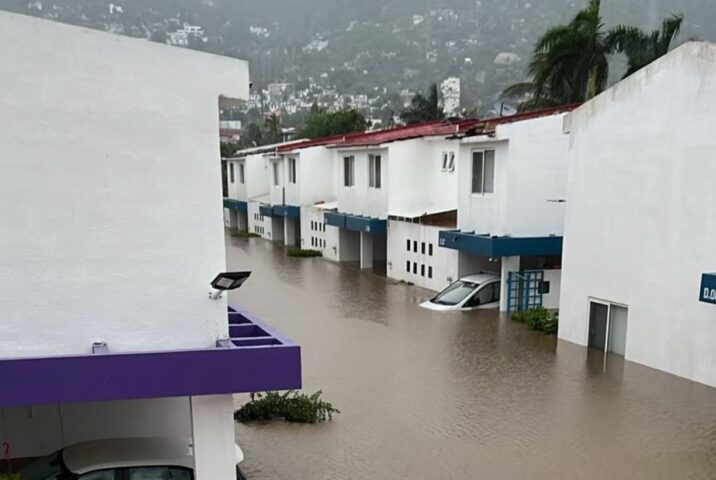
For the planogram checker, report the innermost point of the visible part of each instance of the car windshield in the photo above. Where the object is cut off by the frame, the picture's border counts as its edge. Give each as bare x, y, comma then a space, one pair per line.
46, 468
455, 293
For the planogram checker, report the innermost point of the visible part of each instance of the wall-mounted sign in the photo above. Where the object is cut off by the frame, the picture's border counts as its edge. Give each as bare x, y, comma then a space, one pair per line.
708, 288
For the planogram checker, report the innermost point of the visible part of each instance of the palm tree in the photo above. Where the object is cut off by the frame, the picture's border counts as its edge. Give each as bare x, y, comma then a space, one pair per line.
641, 48
272, 126
569, 65
424, 109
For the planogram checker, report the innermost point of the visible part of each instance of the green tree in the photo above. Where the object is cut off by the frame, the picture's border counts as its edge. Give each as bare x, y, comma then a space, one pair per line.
570, 63
424, 108
641, 48
322, 123
272, 129
252, 136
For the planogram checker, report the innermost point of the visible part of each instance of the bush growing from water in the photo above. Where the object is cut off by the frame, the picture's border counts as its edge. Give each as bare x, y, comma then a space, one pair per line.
290, 406
298, 252
539, 319
247, 235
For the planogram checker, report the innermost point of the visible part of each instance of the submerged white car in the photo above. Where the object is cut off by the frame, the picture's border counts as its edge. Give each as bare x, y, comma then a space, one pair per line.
121, 459
475, 292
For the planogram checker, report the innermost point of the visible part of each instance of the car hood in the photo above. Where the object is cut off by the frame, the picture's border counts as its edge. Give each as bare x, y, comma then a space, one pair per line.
439, 308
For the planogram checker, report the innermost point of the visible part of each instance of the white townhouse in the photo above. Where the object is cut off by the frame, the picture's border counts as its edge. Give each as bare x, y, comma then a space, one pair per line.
396, 190
110, 239
512, 199
302, 177
640, 239
249, 180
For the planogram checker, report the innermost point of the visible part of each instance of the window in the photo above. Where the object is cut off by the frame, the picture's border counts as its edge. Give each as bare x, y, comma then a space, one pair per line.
483, 172
430, 272
100, 475
349, 171
488, 294
231, 172
430, 249
242, 173
445, 162
451, 162
415, 246
544, 288
407, 266
374, 179
292, 170
407, 245
415, 268
276, 179
422, 248
159, 473
422, 270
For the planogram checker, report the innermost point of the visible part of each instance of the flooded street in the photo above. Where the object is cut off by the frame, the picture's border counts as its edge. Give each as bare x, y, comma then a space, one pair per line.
429, 395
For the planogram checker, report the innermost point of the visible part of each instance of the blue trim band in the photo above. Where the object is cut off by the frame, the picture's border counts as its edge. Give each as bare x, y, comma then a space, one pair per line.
237, 205
485, 246
355, 223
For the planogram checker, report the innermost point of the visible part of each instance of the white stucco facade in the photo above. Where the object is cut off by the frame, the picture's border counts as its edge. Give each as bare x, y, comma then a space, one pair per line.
415, 256
523, 195
80, 195
530, 180
110, 196
641, 227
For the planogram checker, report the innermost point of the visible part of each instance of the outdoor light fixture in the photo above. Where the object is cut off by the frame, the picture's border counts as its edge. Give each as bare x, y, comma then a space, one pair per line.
227, 281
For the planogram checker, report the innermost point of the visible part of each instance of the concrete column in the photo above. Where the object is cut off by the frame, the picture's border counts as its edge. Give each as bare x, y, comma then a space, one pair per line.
366, 251
243, 221
289, 232
212, 427
509, 264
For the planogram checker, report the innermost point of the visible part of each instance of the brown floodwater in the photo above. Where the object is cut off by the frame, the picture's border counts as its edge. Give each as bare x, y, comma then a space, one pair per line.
428, 395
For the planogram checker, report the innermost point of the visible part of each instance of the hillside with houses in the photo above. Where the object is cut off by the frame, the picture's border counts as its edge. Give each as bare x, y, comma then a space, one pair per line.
370, 54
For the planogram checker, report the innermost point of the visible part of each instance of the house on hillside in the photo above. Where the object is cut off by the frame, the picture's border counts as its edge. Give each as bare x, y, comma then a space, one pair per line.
109, 246
640, 237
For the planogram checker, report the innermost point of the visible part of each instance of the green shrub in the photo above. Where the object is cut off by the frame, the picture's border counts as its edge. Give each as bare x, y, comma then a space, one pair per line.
291, 406
247, 235
539, 319
298, 252
10, 476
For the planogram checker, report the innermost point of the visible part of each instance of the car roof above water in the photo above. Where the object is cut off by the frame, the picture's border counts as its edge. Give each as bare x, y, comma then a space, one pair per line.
128, 452
480, 278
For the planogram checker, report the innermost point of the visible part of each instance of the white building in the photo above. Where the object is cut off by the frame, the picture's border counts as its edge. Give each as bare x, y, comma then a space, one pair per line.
109, 243
450, 89
396, 191
641, 220
512, 191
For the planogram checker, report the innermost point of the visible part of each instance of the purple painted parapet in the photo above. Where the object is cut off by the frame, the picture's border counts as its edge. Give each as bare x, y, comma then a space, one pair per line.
256, 359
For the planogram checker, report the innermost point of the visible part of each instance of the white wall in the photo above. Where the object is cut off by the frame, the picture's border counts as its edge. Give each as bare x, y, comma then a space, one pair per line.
257, 176
531, 161
417, 180
361, 199
42, 429
277, 187
236, 189
316, 176
641, 225
444, 262
314, 231
110, 192
259, 224
551, 300
332, 251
